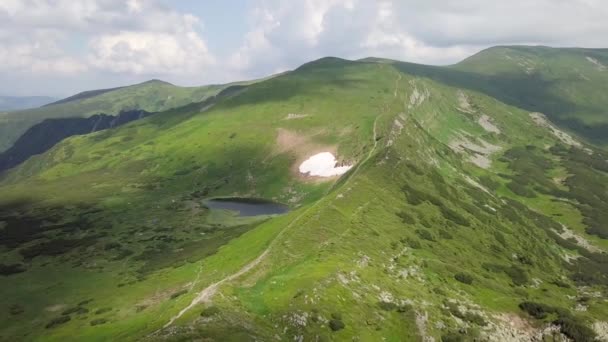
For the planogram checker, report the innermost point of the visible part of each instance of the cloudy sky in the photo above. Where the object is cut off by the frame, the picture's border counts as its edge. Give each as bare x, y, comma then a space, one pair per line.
60, 47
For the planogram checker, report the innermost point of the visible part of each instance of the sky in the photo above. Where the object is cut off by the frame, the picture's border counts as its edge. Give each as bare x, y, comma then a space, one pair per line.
61, 47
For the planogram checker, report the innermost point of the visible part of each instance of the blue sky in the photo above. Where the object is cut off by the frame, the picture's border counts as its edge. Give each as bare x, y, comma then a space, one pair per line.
60, 47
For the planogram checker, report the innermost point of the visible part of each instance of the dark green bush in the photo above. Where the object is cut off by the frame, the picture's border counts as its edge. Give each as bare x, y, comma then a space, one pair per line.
570, 325
520, 189
452, 337
517, 275
16, 309
178, 293
111, 245
57, 321
413, 243
425, 234
536, 310
406, 218
75, 310
102, 311
444, 234
560, 283
7, 270
576, 330
210, 311
99, 321
387, 306
453, 216
464, 278
336, 324
500, 238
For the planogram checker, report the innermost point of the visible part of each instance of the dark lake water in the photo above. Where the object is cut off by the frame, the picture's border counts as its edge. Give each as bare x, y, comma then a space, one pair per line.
247, 206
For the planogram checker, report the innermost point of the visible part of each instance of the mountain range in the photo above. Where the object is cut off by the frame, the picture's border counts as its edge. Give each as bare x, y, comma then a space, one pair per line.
8, 103
471, 204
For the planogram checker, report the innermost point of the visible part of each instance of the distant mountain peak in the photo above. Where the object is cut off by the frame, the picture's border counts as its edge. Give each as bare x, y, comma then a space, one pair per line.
156, 81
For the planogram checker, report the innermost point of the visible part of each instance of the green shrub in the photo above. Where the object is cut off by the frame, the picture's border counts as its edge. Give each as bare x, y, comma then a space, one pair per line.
576, 330
453, 216
111, 245
406, 218
517, 274
413, 243
560, 283
444, 234
98, 321
16, 309
7, 270
57, 321
210, 311
387, 306
475, 318
464, 278
336, 324
178, 293
452, 337
520, 189
77, 310
500, 238
102, 310
569, 325
425, 234
536, 310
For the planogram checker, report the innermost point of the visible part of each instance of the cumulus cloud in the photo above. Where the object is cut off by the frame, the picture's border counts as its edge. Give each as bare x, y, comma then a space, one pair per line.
36, 53
134, 36
146, 52
430, 31
125, 40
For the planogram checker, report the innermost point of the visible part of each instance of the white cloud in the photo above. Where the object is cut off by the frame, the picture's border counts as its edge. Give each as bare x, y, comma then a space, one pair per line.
135, 36
37, 52
119, 41
147, 52
430, 31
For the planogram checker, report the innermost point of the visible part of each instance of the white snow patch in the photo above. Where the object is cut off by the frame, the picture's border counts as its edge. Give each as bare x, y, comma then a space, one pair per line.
323, 165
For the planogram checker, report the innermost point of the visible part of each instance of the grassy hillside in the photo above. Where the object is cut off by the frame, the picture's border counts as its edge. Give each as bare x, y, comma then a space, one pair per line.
567, 85
463, 218
152, 96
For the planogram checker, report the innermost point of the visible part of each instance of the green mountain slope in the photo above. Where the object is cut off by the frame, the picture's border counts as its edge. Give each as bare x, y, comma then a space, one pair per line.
462, 218
567, 85
151, 96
